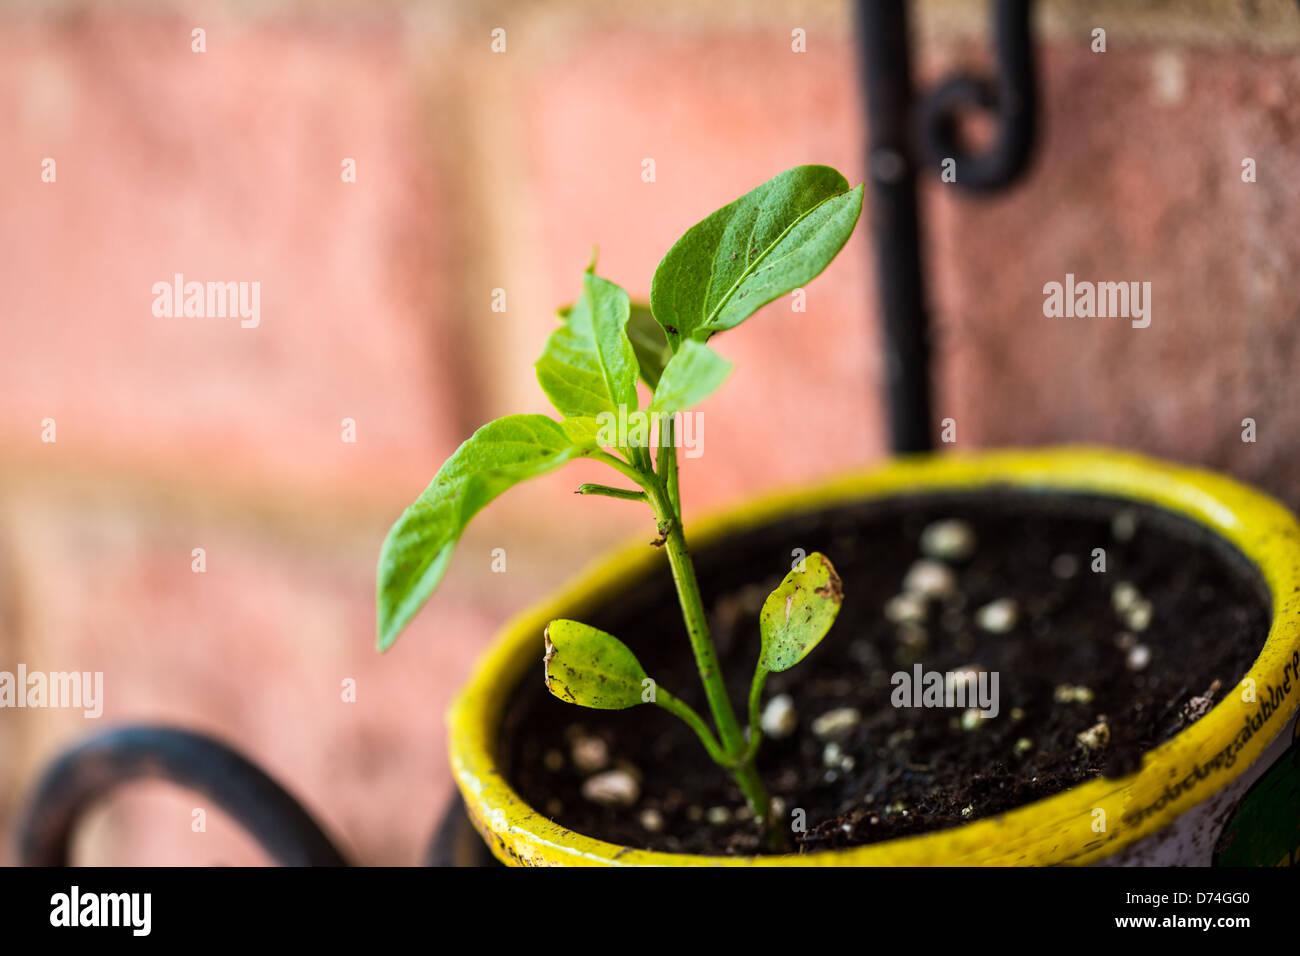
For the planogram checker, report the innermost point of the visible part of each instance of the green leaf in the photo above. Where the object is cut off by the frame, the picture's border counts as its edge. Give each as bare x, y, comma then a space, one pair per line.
768, 242
610, 309
569, 373
582, 431
797, 615
691, 376
647, 337
649, 342
591, 668
418, 547
589, 366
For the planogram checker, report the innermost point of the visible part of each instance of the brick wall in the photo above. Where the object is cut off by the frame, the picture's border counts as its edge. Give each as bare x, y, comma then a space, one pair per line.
479, 171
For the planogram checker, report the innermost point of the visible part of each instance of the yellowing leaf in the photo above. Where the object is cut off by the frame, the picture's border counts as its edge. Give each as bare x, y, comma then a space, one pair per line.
797, 615
590, 668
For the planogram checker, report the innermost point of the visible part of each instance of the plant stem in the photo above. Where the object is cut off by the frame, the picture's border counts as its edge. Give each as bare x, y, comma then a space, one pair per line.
661, 491
626, 494
667, 461
755, 721
706, 658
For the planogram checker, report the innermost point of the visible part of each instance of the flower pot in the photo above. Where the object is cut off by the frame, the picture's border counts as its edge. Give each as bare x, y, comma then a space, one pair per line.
1188, 799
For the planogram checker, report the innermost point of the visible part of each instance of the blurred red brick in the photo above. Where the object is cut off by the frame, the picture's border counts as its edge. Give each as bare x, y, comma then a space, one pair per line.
1137, 178
223, 166
254, 650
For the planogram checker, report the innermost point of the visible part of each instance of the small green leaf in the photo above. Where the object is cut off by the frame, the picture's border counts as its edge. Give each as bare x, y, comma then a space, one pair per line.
569, 373
419, 546
582, 431
610, 309
649, 343
797, 615
589, 366
690, 376
768, 242
591, 668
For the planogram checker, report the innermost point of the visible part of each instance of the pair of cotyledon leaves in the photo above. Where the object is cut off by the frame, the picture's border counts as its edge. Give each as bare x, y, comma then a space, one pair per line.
589, 667
767, 243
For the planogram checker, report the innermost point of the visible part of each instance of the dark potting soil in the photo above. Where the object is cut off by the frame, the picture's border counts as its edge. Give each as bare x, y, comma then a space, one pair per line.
907, 769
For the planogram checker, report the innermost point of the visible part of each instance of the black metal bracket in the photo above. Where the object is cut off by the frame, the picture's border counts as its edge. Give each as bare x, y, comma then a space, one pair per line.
904, 136
84, 775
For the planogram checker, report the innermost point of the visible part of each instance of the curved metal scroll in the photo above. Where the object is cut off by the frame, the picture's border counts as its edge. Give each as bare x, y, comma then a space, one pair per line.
90, 771
1011, 96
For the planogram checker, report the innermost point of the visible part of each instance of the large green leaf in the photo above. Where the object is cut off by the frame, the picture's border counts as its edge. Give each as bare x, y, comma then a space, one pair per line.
689, 377
591, 668
589, 366
797, 615
418, 547
768, 242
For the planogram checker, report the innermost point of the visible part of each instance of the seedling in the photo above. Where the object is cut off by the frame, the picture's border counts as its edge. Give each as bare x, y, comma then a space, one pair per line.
764, 245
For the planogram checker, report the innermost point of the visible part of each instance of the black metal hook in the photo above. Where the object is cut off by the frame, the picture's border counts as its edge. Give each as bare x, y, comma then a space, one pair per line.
88, 772
900, 134
1011, 96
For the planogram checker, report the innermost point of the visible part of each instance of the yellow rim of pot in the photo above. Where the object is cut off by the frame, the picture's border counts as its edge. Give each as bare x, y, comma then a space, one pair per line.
1057, 829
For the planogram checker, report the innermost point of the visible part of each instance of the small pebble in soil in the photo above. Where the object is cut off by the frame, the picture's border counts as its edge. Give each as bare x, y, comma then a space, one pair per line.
971, 719
553, 760
1123, 596
694, 814
1022, 746
905, 608
613, 788
949, 540
836, 724
1139, 656
1017, 714
1125, 641
832, 754
930, 579
1072, 694
1124, 525
835, 758
743, 813
1138, 616
900, 737
1065, 566
652, 820
589, 754
719, 816
966, 810
779, 718
997, 617
778, 808
554, 807
1095, 737
913, 637
1196, 708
